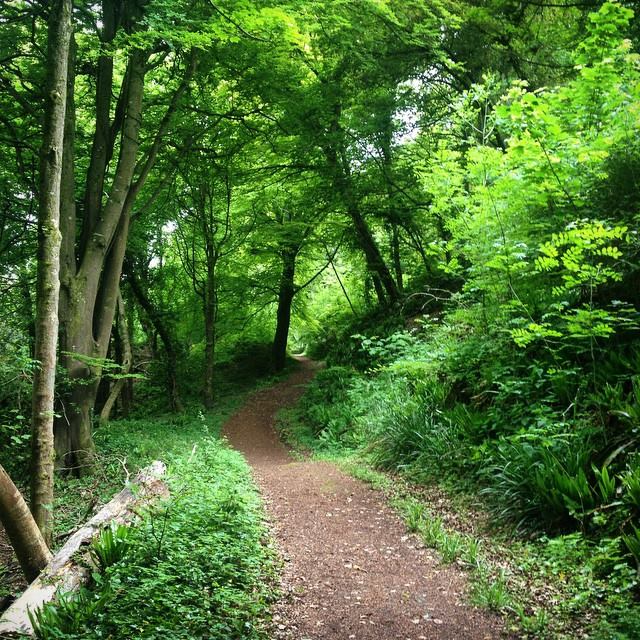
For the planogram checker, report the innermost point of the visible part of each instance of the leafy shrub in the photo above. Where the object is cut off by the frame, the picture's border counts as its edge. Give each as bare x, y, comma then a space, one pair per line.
16, 371
328, 407
631, 484
405, 428
196, 566
416, 434
539, 478
66, 616
632, 542
329, 386
248, 355
377, 351
335, 340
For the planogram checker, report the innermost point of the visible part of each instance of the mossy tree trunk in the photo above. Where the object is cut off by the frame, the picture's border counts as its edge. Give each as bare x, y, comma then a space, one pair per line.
92, 267
48, 283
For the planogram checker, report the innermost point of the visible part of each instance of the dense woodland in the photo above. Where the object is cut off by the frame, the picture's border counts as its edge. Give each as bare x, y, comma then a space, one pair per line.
439, 198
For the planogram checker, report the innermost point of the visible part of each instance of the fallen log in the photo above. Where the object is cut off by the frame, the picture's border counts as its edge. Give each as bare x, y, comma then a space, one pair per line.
65, 572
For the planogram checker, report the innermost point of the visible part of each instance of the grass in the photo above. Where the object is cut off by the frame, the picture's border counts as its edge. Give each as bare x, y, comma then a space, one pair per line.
544, 588
199, 565
490, 591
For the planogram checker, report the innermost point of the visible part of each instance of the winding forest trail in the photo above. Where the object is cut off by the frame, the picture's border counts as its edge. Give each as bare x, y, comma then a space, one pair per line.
352, 571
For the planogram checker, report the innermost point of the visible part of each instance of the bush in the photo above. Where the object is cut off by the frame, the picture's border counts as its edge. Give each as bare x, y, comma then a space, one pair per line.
538, 478
16, 371
327, 405
196, 567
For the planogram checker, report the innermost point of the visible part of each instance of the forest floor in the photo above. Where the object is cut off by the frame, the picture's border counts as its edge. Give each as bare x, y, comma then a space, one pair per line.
11, 578
351, 568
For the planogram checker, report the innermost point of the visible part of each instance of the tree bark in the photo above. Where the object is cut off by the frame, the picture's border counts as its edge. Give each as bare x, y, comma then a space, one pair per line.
127, 361
91, 290
67, 255
126, 395
216, 232
210, 318
165, 335
286, 294
91, 287
27, 308
413, 235
25, 537
102, 147
48, 285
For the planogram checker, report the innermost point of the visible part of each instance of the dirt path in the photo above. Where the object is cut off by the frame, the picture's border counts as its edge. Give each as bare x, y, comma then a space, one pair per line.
352, 571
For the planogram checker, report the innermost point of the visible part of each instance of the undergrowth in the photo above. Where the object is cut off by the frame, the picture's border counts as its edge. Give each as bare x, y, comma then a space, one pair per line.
512, 371
199, 565
124, 446
551, 558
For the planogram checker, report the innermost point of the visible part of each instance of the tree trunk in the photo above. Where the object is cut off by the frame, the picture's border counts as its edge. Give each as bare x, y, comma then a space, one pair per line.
376, 265
283, 317
210, 308
166, 337
102, 146
385, 285
392, 212
377, 285
67, 256
25, 537
415, 239
48, 285
366, 290
104, 385
91, 290
126, 361
395, 253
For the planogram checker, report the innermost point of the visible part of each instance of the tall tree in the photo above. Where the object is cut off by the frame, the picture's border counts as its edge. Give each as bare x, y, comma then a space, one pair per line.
208, 242
349, 54
48, 287
91, 268
161, 325
296, 220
